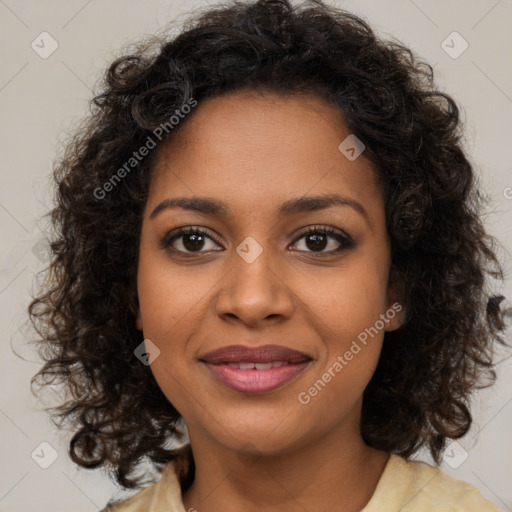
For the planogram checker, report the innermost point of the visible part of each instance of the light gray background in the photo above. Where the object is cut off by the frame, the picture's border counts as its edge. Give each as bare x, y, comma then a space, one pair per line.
40, 98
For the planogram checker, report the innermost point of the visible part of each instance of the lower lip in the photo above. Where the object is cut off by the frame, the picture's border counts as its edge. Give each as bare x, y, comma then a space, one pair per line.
255, 381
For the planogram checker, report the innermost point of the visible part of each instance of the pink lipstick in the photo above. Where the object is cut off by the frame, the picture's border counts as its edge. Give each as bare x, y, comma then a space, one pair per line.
255, 369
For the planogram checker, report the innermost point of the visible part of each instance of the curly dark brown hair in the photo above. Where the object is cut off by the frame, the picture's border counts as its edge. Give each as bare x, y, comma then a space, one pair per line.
441, 254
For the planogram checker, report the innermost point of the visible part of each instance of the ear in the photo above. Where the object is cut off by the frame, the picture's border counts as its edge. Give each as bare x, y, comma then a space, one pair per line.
138, 320
396, 312
135, 309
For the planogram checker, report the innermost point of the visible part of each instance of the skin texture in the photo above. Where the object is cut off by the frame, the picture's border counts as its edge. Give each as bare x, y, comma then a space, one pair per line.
267, 450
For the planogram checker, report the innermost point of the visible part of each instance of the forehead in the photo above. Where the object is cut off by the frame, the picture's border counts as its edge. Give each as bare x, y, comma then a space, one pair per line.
250, 147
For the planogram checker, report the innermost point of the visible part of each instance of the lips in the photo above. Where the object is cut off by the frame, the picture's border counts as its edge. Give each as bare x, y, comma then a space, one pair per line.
255, 369
262, 354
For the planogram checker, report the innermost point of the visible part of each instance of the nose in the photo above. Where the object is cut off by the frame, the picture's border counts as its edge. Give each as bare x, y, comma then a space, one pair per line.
255, 293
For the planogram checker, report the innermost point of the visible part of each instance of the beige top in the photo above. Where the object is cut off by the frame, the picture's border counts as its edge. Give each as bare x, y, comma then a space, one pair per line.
404, 486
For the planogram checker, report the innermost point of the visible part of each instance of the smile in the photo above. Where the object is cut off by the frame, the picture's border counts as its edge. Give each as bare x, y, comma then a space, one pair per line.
255, 370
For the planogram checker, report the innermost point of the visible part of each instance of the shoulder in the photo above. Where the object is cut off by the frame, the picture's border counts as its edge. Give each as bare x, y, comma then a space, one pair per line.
162, 495
140, 502
413, 486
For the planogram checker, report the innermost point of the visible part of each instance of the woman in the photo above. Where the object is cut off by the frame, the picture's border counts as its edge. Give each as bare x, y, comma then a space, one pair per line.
268, 229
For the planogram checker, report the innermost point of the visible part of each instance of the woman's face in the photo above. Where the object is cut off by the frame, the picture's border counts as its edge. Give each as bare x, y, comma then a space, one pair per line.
256, 277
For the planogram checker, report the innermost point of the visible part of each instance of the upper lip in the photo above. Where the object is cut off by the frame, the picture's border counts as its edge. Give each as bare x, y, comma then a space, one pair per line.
261, 354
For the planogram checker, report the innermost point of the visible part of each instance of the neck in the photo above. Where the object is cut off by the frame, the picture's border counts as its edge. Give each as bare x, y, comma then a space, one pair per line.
337, 472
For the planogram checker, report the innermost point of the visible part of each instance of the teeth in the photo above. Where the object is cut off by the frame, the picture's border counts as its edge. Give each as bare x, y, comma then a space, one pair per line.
263, 366
258, 366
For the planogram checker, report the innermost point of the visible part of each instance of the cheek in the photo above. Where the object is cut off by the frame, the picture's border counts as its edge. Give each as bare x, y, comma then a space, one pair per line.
346, 306
171, 306
348, 315
346, 300
169, 295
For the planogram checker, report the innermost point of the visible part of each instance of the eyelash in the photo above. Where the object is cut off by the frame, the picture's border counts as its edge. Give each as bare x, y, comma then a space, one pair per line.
345, 241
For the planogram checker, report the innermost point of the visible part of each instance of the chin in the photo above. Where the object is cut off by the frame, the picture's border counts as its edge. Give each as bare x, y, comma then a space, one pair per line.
264, 434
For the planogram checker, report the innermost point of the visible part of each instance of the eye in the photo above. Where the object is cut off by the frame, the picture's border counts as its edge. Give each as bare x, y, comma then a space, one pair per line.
189, 240
316, 238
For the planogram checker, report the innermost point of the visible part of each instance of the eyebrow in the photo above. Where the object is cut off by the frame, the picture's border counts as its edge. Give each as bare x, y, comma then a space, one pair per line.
210, 206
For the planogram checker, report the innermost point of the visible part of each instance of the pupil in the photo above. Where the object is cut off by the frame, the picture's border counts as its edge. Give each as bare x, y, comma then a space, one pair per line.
194, 241
316, 239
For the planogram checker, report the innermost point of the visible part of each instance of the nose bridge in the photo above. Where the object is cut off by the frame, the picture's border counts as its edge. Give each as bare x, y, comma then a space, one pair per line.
253, 289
